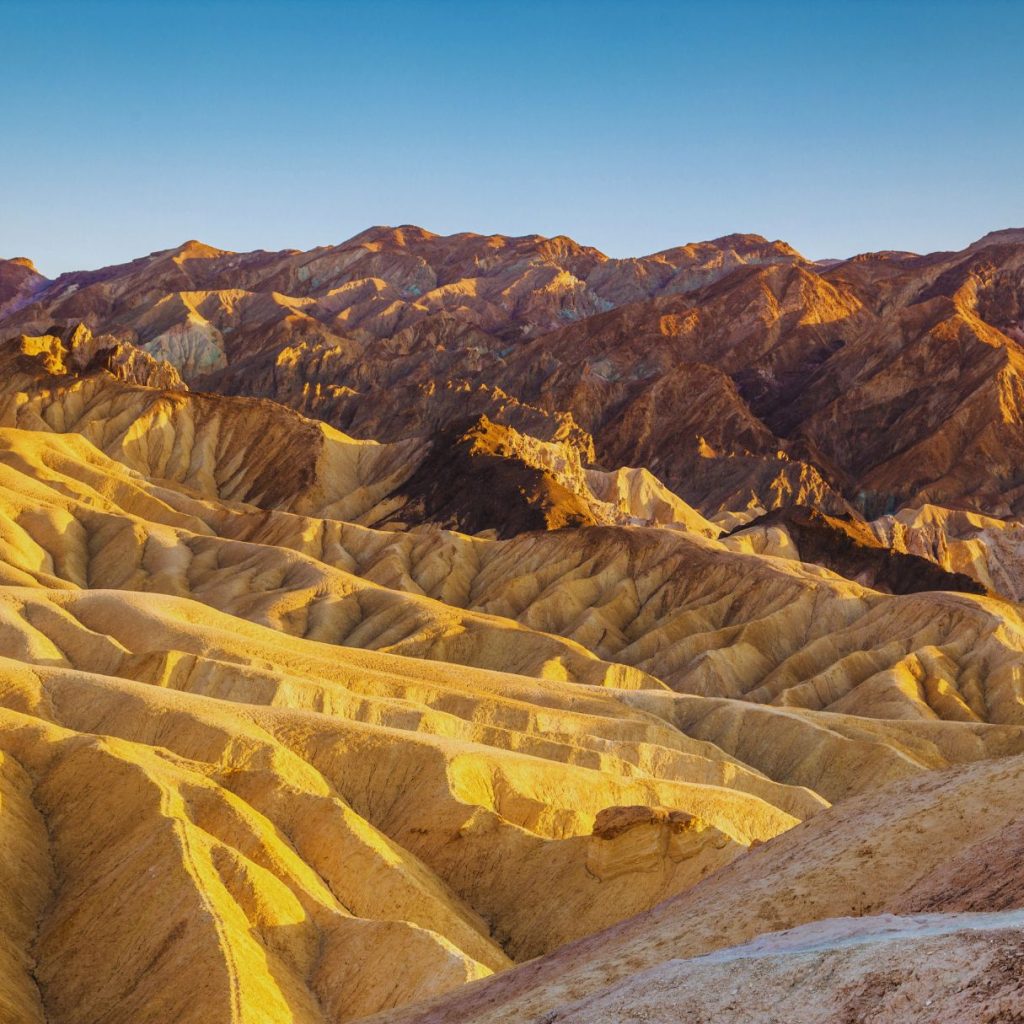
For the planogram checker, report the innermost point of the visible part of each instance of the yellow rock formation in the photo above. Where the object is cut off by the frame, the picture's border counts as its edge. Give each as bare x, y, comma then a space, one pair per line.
276, 747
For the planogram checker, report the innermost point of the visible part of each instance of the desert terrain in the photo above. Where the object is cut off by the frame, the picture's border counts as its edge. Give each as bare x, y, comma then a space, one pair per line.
482, 630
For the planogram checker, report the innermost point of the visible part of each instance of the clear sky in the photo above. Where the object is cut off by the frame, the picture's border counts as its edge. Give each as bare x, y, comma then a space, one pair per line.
838, 125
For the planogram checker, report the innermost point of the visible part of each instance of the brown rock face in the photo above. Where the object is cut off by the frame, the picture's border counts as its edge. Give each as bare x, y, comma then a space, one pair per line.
613, 822
640, 840
19, 282
739, 373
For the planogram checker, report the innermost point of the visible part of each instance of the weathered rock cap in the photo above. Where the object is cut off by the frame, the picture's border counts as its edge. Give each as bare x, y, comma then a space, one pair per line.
614, 821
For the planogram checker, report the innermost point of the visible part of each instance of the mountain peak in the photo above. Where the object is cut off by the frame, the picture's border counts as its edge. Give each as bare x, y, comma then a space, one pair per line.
741, 242
384, 234
1003, 236
194, 249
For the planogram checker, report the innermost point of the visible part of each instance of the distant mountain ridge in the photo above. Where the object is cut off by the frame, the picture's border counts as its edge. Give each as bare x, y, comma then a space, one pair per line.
684, 361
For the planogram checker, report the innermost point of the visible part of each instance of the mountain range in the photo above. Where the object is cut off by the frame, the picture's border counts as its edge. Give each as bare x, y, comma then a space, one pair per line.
482, 629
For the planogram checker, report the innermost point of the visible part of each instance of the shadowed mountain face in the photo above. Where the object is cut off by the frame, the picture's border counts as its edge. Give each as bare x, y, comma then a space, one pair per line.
19, 282
481, 476
479, 629
851, 549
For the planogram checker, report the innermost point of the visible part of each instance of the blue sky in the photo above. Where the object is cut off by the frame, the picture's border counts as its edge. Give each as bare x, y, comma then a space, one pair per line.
632, 126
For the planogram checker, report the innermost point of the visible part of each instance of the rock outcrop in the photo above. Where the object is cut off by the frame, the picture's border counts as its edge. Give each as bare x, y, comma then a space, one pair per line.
76, 352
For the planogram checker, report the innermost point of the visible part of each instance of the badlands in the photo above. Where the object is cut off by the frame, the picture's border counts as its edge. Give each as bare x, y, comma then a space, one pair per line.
480, 629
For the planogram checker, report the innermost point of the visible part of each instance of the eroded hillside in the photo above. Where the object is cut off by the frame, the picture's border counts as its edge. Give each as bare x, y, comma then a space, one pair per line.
377, 620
